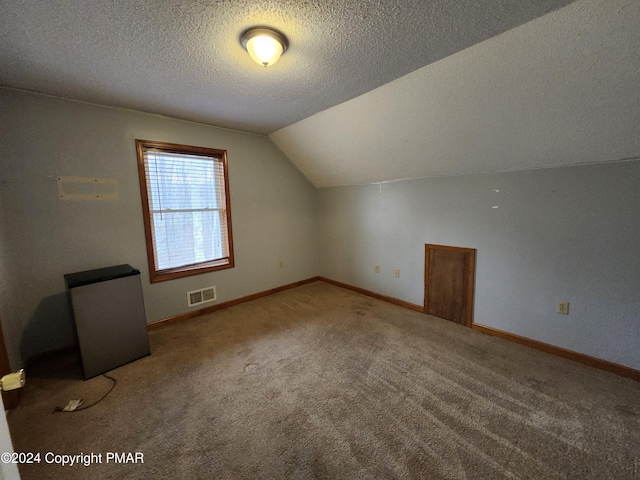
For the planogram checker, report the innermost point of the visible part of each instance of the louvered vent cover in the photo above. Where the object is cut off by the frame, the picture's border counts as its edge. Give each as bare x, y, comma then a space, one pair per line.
208, 294
196, 297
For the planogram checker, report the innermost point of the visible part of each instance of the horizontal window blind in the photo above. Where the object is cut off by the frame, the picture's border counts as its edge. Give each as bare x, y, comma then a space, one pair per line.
187, 208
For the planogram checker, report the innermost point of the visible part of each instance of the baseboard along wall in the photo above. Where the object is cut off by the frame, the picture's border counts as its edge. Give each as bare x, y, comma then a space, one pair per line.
379, 296
561, 352
545, 347
227, 304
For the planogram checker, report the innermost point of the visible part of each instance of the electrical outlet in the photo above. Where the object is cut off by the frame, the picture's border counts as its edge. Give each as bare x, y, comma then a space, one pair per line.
376, 268
281, 264
563, 308
12, 381
396, 272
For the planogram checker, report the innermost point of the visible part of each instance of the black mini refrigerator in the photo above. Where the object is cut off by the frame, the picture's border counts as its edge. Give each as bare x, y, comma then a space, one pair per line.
108, 311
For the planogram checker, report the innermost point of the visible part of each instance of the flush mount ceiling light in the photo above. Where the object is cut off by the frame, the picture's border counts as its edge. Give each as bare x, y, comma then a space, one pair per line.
264, 45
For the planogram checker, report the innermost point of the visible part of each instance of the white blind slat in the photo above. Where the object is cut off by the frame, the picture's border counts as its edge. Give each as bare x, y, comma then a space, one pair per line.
187, 205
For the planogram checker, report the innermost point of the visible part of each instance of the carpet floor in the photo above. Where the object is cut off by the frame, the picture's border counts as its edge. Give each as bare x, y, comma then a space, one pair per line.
321, 382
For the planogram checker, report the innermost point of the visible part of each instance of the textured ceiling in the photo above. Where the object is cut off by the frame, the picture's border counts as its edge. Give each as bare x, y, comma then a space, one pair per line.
182, 58
562, 89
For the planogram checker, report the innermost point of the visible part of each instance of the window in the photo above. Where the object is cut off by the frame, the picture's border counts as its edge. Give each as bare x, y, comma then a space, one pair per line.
185, 203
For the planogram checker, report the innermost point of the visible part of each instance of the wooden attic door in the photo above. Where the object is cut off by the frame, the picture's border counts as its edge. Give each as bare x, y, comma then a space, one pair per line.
449, 274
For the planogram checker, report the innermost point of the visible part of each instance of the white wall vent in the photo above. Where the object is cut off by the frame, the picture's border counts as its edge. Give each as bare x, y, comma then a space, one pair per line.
204, 295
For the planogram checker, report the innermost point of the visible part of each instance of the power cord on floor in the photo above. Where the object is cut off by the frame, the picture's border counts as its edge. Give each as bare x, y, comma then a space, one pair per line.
61, 409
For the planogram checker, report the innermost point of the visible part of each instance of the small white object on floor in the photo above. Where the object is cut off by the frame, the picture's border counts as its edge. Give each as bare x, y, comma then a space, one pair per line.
72, 405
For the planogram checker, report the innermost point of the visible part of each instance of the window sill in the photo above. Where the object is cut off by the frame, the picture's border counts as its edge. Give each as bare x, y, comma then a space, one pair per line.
189, 270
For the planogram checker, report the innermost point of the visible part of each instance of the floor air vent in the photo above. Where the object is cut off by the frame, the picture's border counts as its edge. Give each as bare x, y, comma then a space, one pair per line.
196, 297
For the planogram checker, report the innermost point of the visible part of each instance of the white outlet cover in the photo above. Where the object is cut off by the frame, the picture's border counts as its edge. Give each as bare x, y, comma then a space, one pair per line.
563, 308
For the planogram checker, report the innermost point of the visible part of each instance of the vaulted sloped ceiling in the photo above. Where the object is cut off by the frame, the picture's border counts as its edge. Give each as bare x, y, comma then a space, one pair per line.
369, 91
183, 58
560, 90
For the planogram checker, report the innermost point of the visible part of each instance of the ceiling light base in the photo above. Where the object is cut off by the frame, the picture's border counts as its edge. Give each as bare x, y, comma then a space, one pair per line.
264, 45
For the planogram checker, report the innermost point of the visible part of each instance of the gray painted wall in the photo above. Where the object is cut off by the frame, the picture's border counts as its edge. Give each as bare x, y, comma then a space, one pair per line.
566, 233
273, 213
560, 234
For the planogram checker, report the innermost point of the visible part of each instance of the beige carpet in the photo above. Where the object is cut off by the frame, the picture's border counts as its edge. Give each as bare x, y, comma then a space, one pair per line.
320, 382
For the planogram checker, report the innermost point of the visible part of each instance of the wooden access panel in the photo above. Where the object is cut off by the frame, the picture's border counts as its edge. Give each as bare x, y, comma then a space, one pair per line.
449, 274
